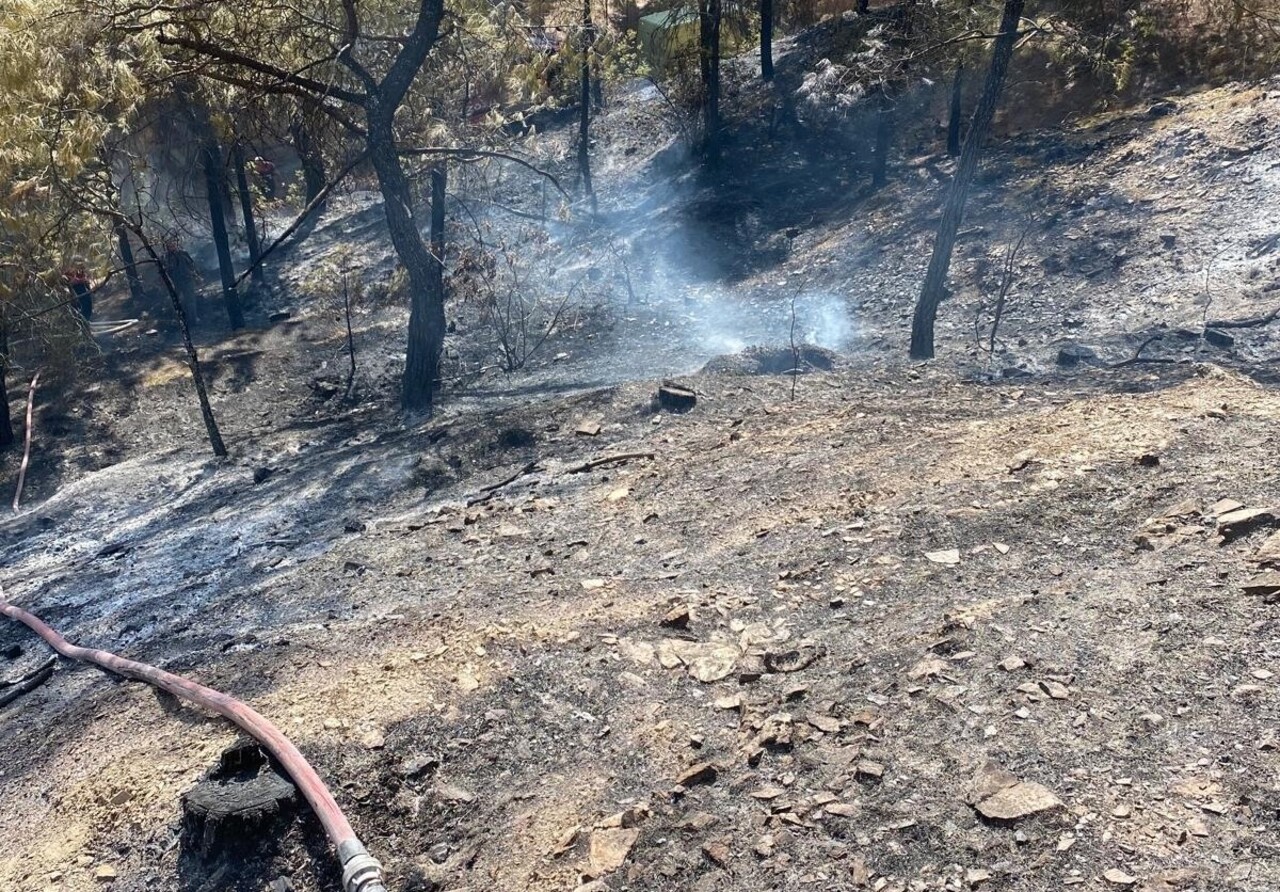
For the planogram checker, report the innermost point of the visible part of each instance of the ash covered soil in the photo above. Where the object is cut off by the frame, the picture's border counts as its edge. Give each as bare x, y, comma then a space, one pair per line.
936, 627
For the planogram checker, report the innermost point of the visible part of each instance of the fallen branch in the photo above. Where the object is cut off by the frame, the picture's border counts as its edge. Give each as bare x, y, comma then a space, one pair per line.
302, 217
488, 492
608, 460
361, 872
26, 449
1247, 322
12, 690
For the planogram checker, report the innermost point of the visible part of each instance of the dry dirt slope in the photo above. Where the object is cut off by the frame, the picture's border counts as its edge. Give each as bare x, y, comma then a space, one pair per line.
497, 701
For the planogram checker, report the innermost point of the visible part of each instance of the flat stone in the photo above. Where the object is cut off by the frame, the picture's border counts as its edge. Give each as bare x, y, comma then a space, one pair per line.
702, 773
1022, 800
610, 848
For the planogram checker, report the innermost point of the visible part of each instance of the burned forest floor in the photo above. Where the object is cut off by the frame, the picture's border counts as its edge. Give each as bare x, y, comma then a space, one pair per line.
986, 623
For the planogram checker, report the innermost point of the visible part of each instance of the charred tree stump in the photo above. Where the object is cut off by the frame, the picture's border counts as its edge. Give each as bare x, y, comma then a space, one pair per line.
675, 398
234, 810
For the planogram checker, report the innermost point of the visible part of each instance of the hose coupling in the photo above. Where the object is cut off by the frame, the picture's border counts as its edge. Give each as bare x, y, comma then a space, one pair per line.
361, 872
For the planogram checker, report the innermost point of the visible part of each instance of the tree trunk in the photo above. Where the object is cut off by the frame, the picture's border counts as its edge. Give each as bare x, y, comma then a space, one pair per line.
426, 308
137, 290
953, 126
766, 40
886, 119
211, 161
439, 180
934, 289
313, 172
709, 20
7, 436
193, 359
862, 7
246, 210
584, 115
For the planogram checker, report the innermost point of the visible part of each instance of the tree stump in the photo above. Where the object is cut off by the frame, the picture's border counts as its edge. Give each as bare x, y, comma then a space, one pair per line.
675, 398
235, 807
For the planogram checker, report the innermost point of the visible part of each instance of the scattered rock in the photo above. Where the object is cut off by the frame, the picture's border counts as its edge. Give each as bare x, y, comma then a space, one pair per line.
869, 770
717, 852
1269, 551
1001, 796
1012, 663
1241, 521
707, 661
1219, 339
1265, 584
610, 848
950, 556
1072, 355
677, 617
588, 429
106, 874
702, 773
800, 657
976, 877
1118, 877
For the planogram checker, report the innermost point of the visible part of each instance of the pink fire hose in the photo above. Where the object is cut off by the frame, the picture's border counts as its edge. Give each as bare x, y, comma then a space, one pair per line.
361, 872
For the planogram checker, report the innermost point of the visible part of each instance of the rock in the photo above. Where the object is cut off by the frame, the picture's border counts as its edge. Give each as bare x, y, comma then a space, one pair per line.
1019, 800
1168, 240
1264, 584
261, 474
587, 429
1118, 877
950, 556
1225, 506
717, 852
610, 848
930, 667
452, 793
976, 877
702, 773
1072, 355
1147, 460
1219, 339
106, 874
1056, 690
1240, 521
869, 770
825, 723
675, 398
799, 657
677, 617
1012, 663
1269, 551
707, 661
1001, 547
1162, 109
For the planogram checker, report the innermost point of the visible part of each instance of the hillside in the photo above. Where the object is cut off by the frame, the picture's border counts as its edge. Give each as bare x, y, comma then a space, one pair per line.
825, 636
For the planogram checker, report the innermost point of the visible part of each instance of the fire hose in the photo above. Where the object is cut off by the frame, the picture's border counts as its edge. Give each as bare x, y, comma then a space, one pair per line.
361, 872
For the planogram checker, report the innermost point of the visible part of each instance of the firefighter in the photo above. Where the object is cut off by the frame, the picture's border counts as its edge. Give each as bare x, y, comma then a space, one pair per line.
81, 290
266, 172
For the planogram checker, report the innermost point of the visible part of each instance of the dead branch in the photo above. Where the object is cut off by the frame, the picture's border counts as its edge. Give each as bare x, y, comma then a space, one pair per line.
1247, 322
12, 690
608, 460
488, 492
26, 449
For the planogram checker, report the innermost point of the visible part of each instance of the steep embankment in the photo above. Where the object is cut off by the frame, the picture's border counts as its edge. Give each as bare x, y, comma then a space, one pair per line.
855, 604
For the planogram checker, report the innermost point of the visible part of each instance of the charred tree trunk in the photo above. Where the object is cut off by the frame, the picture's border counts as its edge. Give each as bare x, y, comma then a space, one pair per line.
953, 125
709, 22
934, 289
211, 161
7, 436
137, 290
246, 210
313, 172
439, 181
426, 307
584, 114
862, 7
886, 120
766, 40
193, 358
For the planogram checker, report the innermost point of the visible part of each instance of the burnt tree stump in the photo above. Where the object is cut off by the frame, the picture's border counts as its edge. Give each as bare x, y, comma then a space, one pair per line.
234, 809
675, 398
